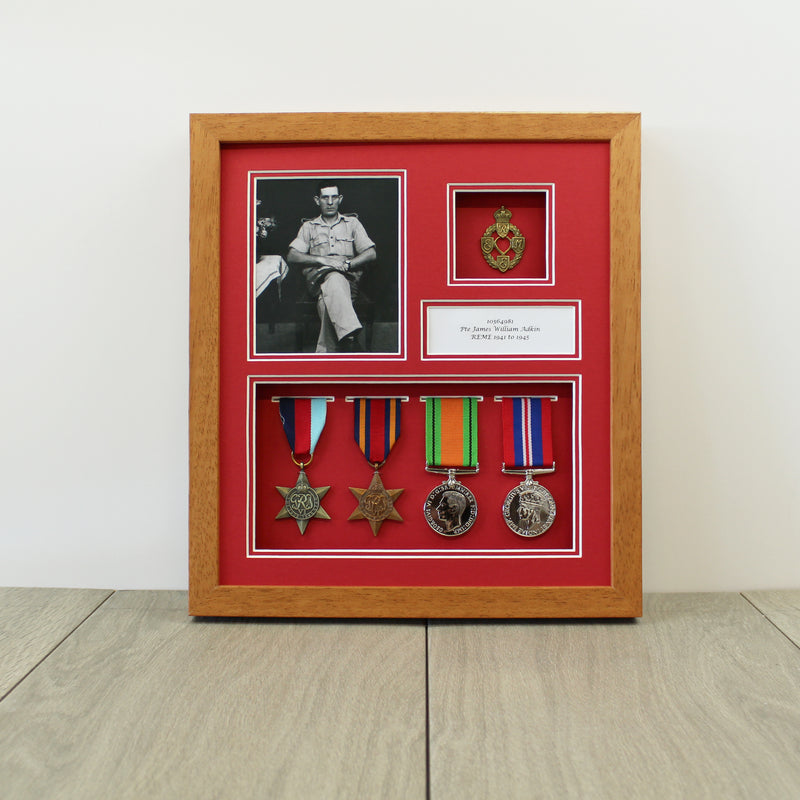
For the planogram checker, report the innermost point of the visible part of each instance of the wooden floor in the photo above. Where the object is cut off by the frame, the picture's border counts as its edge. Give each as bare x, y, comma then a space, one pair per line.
122, 695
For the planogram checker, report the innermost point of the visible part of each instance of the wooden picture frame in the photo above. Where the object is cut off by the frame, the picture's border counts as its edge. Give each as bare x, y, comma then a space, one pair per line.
620, 595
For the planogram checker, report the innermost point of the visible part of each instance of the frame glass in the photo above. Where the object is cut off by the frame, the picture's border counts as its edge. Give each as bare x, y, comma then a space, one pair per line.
437, 318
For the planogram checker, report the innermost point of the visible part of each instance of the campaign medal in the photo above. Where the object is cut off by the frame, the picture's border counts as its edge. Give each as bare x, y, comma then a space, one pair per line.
529, 509
303, 420
376, 428
451, 447
509, 243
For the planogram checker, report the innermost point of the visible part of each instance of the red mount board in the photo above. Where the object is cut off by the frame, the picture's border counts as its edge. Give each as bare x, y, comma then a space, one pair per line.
582, 527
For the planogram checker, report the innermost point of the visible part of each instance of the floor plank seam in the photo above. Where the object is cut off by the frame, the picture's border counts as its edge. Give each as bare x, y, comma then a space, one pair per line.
56, 646
427, 710
774, 624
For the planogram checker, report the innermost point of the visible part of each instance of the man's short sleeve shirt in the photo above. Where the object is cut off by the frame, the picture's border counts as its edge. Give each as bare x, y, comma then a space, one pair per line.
345, 237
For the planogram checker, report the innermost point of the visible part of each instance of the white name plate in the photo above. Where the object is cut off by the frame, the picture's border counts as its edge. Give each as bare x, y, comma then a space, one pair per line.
532, 330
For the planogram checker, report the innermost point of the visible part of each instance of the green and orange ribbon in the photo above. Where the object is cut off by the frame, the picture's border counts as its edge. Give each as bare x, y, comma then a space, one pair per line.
451, 432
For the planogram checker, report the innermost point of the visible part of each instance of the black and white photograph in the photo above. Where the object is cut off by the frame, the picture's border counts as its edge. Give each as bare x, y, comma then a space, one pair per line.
326, 259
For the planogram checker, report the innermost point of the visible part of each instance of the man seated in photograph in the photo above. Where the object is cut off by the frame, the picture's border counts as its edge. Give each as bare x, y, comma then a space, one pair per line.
333, 250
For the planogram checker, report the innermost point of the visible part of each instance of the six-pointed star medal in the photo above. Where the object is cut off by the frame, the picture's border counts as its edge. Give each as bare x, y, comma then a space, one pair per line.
302, 502
376, 504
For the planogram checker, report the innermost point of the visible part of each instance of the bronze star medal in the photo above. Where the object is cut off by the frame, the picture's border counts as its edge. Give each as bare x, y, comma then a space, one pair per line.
303, 419
302, 502
376, 503
376, 428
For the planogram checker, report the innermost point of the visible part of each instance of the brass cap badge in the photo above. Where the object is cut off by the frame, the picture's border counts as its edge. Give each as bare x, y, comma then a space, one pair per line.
510, 256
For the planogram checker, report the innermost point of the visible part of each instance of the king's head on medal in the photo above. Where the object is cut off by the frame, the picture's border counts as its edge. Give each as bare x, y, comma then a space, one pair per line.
529, 509
376, 428
303, 419
451, 448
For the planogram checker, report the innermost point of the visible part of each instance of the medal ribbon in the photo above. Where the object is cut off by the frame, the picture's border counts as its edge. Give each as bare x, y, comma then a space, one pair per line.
451, 431
303, 419
376, 426
527, 432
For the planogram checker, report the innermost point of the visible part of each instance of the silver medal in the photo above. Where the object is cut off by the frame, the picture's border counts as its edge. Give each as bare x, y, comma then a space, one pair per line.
529, 509
451, 508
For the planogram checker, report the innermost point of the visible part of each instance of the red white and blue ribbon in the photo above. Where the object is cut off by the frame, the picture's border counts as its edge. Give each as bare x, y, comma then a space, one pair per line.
303, 420
376, 426
527, 433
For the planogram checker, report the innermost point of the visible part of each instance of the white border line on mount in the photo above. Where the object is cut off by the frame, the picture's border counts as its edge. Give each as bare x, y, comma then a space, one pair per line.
548, 188
425, 304
306, 174
577, 496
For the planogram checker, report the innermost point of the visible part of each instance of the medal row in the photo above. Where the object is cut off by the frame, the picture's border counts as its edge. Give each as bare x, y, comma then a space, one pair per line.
451, 447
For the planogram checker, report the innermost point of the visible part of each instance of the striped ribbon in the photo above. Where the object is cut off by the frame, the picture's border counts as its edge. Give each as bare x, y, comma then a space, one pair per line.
303, 419
451, 431
527, 432
376, 426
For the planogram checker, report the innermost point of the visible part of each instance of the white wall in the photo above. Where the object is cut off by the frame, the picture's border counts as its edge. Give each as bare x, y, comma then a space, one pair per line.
94, 234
